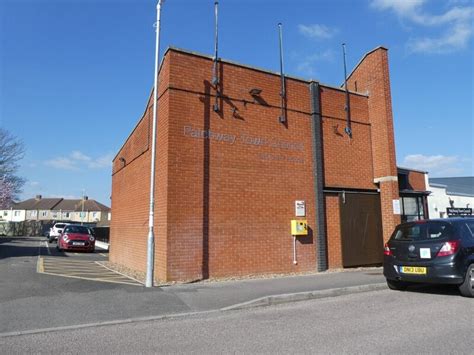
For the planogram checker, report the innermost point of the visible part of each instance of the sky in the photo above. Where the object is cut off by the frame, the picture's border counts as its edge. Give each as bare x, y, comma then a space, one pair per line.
75, 75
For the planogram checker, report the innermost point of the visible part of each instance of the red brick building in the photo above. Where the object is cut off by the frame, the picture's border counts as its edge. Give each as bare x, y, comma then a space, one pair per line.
227, 180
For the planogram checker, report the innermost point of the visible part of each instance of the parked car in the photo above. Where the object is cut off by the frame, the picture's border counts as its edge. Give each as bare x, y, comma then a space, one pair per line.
76, 237
431, 251
56, 231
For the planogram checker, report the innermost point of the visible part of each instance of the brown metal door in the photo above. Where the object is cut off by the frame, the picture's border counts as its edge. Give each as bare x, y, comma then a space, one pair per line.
361, 229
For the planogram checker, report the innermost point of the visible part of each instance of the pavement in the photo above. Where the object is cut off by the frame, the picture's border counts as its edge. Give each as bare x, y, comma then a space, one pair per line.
32, 302
379, 322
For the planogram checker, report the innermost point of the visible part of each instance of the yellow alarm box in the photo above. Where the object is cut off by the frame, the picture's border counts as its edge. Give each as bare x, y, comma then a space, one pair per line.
299, 227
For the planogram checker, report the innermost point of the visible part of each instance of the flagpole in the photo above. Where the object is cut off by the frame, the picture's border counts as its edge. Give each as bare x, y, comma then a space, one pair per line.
151, 235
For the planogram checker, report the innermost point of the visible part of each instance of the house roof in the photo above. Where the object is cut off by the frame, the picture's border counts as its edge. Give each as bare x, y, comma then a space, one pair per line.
456, 185
76, 205
57, 204
402, 169
37, 204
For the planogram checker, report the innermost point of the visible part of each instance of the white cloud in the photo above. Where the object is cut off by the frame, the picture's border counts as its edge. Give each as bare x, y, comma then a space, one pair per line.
103, 161
308, 63
436, 165
456, 25
455, 38
77, 155
401, 7
62, 163
78, 160
317, 31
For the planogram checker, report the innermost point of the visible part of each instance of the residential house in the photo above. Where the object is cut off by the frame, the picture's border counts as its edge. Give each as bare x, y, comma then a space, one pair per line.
83, 211
57, 209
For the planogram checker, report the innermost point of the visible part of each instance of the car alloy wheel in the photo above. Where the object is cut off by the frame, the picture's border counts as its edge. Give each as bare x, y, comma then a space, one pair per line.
467, 287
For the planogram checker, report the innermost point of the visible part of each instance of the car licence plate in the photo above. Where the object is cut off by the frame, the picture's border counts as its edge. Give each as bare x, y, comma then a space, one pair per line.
417, 270
77, 243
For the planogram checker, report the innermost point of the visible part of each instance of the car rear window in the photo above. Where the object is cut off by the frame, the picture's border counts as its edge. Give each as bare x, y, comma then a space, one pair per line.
59, 225
423, 231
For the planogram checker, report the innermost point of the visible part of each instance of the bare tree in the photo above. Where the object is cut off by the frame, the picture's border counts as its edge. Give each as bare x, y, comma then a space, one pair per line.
12, 150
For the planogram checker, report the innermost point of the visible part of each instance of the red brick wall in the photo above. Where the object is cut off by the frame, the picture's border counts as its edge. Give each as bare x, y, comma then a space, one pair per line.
224, 207
417, 180
333, 223
231, 203
372, 77
347, 161
131, 189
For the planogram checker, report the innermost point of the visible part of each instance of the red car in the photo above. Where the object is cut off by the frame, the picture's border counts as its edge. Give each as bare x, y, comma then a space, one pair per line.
75, 237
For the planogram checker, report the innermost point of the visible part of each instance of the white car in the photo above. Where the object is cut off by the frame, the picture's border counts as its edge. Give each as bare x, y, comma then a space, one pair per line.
56, 231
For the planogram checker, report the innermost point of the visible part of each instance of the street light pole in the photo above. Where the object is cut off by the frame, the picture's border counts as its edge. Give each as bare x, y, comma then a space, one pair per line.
151, 235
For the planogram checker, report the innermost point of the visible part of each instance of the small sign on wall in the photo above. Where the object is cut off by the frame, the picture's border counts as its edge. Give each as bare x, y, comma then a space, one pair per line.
300, 209
396, 206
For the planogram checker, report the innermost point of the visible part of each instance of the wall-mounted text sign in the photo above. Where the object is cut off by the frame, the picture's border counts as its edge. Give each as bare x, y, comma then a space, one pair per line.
458, 211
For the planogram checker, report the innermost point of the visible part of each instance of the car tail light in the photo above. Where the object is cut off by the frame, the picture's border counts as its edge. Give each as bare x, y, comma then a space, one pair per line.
449, 248
386, 250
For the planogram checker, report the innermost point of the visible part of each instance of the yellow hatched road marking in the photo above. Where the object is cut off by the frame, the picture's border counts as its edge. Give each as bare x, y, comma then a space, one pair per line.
82, 269
90, 279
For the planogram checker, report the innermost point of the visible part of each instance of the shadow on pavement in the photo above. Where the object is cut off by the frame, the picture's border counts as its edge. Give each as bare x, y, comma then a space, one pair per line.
11, 247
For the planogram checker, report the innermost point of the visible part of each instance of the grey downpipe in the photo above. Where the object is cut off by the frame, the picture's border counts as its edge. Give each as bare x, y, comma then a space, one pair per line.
318, 177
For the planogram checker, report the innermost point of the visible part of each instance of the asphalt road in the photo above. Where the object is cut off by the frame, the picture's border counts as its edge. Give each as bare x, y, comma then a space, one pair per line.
385, 322
29, 300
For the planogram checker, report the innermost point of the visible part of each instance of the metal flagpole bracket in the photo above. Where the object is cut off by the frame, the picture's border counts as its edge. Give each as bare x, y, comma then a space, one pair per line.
215, 76
348, 128
282, 118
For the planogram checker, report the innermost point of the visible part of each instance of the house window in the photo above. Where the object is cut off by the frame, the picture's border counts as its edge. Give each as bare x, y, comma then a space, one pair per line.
17, 214
34, 213
5, 213
44, 213
412, 208
66, 214
403, 182
94, 214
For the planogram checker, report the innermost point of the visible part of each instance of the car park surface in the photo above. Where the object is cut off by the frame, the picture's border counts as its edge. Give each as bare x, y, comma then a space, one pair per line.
432, 251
